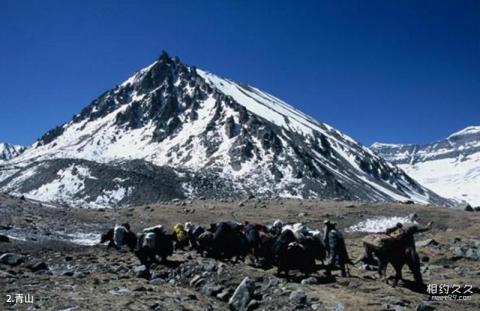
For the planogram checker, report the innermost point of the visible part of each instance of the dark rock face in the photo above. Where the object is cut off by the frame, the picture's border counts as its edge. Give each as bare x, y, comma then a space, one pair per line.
51, 135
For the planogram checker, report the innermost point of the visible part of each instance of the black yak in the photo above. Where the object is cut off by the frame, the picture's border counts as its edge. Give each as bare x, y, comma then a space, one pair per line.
152, 243
120, 235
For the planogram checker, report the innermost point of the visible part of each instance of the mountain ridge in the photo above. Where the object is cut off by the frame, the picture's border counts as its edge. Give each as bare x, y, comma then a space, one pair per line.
9, 151
450, 167
175, 115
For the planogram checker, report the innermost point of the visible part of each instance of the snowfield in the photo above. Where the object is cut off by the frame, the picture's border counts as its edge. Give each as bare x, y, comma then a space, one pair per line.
379, 224
64, 187
452, 178
81, 238
449, 167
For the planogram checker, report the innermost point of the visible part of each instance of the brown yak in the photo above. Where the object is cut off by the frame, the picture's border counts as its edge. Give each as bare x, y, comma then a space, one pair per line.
395, 246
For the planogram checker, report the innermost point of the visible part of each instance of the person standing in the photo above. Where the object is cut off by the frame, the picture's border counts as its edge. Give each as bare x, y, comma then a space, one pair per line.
337, 250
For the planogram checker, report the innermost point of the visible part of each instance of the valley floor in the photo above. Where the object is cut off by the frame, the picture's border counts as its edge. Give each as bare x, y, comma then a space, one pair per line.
84, 276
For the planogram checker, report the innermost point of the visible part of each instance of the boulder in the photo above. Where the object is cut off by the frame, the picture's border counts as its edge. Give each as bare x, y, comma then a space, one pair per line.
4, 238
157, 281
142, 272
338, 307
196, 281
242, 295
68, 273
11, 259
40, 266
427, 242
253, 304
424, 307
298, 297
211, 290
310, 281
223, 296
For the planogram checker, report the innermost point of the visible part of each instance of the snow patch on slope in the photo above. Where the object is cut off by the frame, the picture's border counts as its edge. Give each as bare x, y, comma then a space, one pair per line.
452, 178
379, 224
111, 197
69, 182
80, 238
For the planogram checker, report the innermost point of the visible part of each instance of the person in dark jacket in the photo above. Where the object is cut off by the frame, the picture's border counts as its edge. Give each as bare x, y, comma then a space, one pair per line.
252, 233
193, 231
337, 250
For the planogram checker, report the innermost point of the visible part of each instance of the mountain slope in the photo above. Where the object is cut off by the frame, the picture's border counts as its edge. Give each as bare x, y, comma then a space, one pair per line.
173, 115
8, 151
450, 167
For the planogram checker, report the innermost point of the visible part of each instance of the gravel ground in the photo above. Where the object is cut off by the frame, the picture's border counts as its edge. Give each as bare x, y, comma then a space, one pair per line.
62, 268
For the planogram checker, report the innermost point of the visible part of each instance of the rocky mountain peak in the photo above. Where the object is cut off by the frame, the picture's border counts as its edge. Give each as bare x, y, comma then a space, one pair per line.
9, 151
174, 115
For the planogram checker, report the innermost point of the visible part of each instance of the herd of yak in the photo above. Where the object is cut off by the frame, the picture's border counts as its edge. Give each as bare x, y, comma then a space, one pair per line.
288, 247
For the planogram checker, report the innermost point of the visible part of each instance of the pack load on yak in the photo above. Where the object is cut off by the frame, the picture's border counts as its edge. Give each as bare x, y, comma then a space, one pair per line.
193, 232
156, 228
396, 246
153, 242
383, 240
181, 236
119, 236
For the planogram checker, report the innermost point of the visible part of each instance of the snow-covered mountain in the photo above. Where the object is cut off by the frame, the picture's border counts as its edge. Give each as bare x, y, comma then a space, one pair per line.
219, 137
8, 151
450, 167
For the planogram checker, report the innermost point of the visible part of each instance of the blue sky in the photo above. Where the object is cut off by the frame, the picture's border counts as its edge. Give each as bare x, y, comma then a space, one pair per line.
390, 71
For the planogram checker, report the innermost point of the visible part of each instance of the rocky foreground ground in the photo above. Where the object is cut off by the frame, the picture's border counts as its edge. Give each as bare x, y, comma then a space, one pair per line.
49, 256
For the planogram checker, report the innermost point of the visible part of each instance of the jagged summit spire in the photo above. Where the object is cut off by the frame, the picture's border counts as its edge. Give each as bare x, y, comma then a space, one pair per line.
164, 56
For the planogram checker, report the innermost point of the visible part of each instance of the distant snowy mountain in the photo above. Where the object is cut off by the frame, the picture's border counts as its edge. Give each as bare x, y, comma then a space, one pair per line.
219, 137
450, 167
8, 151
